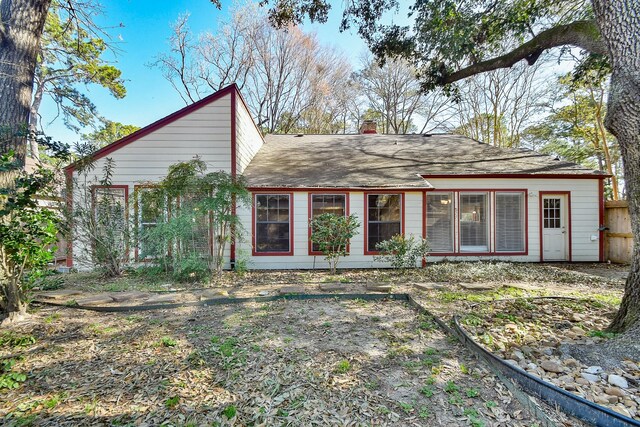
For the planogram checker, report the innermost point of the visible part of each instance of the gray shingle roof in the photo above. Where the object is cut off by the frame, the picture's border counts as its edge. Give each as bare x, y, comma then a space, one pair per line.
388, 160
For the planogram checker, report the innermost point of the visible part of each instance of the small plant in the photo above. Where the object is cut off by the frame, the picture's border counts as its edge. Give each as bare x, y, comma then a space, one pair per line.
406, 407
172, 402
229, 412
601, 334
423, 412
51, 318
384, 410
343, 367
403, 252
429, 351
490, 404
427, 391
8, 378
472, 392
451, 387
10, 339
168, 342
332, 234
464, 369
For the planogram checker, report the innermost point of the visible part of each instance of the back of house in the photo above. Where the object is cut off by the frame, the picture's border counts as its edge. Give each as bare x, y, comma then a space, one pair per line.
470, 200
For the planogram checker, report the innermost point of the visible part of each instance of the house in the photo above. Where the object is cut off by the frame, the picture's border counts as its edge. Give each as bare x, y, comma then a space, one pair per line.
472, 201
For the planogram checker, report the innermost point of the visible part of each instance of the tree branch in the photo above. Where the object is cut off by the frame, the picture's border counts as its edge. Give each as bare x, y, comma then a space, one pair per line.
582, 34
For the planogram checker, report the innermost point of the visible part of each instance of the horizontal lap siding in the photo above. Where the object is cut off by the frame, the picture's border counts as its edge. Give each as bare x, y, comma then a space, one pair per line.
248, 139
584, 211
205, 132
301, 258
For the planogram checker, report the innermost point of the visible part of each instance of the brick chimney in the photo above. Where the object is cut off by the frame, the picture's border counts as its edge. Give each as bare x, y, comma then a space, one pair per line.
368, 126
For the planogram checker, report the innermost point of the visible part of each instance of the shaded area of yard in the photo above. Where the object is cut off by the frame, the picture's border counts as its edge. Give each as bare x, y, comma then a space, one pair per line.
278, 363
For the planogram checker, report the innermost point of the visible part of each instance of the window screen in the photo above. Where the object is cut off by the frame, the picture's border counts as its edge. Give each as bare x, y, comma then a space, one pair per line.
109, 207
440, 222
383, 218
509, 222
473, 223
151, 212
272, 223
196, 240
327, 203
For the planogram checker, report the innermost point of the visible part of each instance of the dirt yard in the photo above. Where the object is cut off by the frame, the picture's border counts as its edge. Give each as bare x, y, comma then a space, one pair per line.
292, 363
279, 363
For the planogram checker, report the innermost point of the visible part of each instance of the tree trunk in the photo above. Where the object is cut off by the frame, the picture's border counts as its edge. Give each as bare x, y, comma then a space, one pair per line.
21, 26
619, 23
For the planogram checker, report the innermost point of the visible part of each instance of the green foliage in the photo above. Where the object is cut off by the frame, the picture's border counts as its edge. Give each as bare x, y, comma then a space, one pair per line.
188, 206
73, 55
28, 230
343, 367
172, 402
8, 378
11, 339
109, 132
332, 233
229, 412
99, 220
402, 252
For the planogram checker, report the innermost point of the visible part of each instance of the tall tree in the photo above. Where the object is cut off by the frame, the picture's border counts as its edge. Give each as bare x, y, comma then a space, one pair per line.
71, 56
455, 39
393, 91
108, 133
21, 25
288, 78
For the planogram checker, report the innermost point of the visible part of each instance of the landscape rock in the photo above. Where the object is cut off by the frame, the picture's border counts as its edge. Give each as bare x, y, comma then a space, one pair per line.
291, 290
430, 286
263, 293
331, 287
127, 296
593, 370
95, 300
590, 377
618, 381
379, 288
614, 391
163, 299
551, 366
62, 294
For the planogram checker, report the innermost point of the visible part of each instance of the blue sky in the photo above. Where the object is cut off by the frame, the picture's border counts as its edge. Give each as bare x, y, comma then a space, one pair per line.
143, 35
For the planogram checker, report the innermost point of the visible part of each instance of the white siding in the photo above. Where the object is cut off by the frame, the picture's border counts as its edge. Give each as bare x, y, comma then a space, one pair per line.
205, 132
584, 223
301, 258
584, 211
248, 139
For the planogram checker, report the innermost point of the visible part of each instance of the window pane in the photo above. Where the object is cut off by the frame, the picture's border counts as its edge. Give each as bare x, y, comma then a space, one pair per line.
440, 222
510, 222
327, 203
473, 223
272, 223
384, 218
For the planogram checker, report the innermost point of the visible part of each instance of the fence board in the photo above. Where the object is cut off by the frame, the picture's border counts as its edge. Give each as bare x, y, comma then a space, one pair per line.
618, 239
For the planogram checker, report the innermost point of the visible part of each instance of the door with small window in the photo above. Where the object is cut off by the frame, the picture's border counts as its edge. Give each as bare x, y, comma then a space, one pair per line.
555, 235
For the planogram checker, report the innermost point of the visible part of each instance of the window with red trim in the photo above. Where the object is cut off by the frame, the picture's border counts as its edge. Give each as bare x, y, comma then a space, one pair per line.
327, 203
273, 225
110, 211
384, 218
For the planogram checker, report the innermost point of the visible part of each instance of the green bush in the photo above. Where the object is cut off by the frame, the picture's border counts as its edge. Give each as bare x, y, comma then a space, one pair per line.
191, 269
332, 233
403, 252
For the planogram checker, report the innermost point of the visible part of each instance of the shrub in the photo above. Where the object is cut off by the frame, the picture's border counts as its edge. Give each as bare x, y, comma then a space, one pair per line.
403, 252
332, 233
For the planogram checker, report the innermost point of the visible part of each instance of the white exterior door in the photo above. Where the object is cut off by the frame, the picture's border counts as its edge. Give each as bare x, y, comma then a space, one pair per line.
554, 228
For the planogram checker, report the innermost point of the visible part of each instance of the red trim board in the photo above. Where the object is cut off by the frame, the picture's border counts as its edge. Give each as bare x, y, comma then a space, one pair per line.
253, 226
518, 175
601, 224
69, 183
366, 216
309, 206
540, 206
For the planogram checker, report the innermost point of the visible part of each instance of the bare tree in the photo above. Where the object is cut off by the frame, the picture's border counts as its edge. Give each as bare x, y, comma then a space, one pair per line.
393, 93
496, 106
287, 77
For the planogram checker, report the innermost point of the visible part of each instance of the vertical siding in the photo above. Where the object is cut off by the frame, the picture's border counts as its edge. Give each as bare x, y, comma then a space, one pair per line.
205, 132
248, 139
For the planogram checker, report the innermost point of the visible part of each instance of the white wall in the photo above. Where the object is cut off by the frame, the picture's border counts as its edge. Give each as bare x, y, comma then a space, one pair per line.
205, 132
248, 138
584, 223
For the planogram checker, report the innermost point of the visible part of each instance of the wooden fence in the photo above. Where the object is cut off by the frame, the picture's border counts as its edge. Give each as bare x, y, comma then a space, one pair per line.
618, 240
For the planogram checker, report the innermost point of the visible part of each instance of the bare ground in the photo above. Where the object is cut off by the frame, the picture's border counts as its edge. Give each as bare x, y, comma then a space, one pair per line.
278, 363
